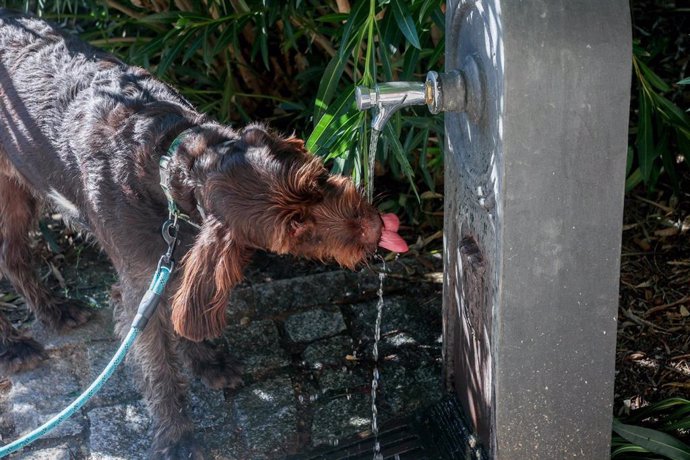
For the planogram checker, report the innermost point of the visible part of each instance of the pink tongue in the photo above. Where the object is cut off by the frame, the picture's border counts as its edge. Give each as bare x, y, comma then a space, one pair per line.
389, 236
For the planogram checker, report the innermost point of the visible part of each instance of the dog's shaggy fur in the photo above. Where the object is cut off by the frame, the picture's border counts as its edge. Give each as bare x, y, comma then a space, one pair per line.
83, 132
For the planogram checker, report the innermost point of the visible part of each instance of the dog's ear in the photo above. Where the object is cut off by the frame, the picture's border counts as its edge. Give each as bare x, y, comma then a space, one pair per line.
299, 225
209, 271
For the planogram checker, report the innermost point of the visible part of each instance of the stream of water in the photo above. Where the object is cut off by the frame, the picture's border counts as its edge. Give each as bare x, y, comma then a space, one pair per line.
373, 142
375, 352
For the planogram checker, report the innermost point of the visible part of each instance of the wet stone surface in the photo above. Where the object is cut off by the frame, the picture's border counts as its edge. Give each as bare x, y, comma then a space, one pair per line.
314, 324
303, 333
257, 345
330, 352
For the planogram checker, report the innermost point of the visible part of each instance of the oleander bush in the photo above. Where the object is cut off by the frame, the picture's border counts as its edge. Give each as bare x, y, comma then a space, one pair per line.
295, 64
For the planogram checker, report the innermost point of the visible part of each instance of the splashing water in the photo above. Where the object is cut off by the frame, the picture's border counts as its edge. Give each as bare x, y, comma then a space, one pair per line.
375, 352
373, 142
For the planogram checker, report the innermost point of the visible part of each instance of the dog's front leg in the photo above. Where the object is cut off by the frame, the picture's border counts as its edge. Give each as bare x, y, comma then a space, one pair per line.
163, 387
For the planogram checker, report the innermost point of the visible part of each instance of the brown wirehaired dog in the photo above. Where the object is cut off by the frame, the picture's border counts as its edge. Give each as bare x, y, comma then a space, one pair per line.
84, 133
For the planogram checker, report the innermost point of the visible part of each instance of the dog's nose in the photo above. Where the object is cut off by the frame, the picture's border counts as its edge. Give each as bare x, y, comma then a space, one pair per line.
371, 230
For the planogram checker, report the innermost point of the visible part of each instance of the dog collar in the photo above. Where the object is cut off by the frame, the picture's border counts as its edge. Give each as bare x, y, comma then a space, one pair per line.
164, 164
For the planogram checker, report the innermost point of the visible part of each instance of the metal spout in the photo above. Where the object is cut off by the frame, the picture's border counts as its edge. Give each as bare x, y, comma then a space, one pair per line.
456, 91
388, 98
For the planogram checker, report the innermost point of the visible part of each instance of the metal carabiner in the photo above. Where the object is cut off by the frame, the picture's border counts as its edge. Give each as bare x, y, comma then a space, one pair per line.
170, 231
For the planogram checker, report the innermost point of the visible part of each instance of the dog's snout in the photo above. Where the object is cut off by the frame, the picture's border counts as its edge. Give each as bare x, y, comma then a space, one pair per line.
371, 230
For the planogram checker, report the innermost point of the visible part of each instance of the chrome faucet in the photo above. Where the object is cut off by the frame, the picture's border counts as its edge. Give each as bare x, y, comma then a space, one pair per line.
388, 98
456, 91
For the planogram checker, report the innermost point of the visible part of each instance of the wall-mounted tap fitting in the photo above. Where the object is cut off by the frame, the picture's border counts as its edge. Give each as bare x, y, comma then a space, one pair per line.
455, 91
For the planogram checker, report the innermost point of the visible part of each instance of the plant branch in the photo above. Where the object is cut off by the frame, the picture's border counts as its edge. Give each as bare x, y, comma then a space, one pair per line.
123, 9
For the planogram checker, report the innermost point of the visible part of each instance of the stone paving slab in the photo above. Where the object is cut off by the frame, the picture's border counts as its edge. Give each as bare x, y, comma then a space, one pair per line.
305, 343
258, 345
119, 432
266, 415
314, 325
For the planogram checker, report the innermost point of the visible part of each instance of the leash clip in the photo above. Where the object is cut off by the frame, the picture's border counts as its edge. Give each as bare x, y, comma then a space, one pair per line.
170, 232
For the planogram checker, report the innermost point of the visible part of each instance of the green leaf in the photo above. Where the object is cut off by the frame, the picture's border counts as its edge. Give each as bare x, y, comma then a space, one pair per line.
410, 64
628, 449
166, 17
170, 54
344, 137
328, 85
633, 180
652, 77
336, 18
263, 40
684, 81
654, 441
355, 21
668, 160
438, 18
384, 48
679, 425
225, 39
400, 156
629, 161
331, 121
672, 113
405, 23
196, 44
645, 139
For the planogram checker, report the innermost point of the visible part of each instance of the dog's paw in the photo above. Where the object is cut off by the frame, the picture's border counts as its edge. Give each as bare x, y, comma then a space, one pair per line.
20, 354
222, 372
67, 314
218, 377
185, 448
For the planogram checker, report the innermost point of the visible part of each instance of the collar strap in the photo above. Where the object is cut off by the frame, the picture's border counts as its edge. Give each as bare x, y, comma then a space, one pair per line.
164, 164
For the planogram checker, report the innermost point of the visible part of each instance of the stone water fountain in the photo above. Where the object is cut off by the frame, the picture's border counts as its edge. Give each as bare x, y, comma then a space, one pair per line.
536, 99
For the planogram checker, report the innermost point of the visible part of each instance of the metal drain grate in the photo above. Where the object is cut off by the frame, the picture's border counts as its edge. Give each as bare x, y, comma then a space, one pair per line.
435, 433
397, 440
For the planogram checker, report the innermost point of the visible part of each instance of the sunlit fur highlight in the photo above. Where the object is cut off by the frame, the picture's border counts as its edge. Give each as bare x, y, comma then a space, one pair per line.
264, 191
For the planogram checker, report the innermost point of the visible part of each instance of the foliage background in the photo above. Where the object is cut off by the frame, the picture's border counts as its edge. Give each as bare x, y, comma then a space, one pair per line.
295, 64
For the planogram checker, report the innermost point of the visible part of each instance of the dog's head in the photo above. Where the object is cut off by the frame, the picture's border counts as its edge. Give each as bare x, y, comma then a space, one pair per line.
260, 190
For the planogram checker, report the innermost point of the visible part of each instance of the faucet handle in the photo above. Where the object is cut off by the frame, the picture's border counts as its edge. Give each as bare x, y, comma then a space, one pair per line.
364, 99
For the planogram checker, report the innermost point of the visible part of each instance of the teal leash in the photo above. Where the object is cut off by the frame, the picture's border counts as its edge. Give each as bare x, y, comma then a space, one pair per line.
147, 306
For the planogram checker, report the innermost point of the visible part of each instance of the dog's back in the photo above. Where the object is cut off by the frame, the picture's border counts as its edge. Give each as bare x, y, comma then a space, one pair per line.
59, 95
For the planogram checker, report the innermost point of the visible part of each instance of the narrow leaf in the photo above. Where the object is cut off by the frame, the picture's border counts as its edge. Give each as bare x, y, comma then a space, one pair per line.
633, 180
397, 148
652, 77
355, 21
629, 161
170, 54
196, 44
330, 121
263, 40
653, 440
672, 112
645, 138
405, 23
328, 85
385, 49
628, 449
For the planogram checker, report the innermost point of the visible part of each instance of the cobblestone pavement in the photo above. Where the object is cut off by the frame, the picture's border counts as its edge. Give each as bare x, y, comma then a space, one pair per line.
304, 336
